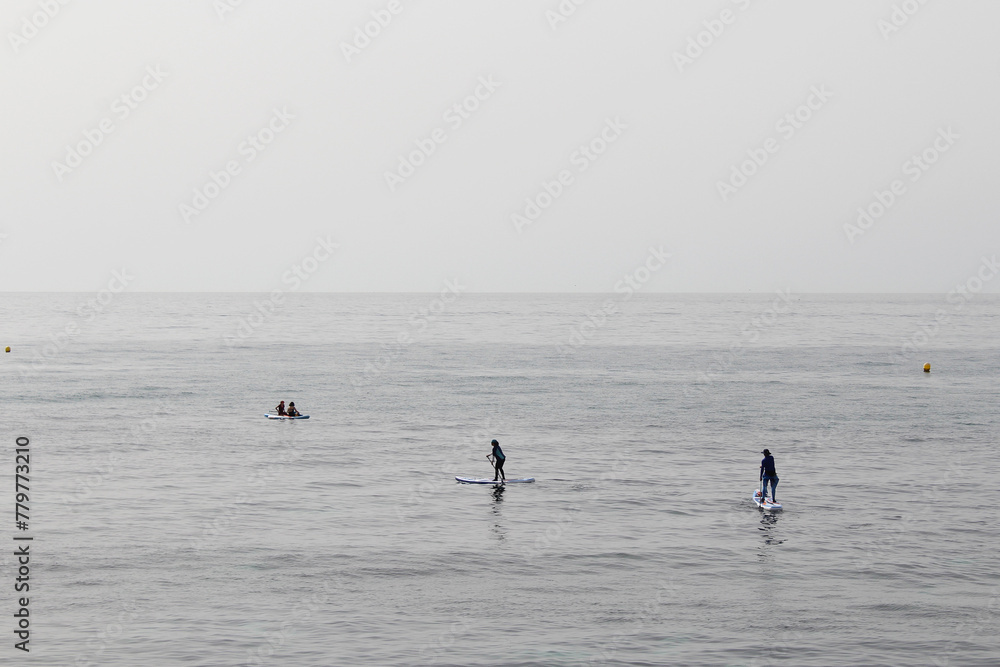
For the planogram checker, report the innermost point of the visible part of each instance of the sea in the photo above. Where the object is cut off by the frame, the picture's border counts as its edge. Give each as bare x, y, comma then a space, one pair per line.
172, 524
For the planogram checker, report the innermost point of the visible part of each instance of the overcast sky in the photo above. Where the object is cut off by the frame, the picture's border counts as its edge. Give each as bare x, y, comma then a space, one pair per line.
115, 112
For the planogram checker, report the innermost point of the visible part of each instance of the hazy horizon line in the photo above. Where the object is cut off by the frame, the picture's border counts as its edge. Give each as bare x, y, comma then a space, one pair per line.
469, 293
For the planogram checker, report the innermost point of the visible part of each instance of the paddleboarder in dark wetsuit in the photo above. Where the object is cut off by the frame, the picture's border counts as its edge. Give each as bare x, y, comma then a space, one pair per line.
768, 474
498, 461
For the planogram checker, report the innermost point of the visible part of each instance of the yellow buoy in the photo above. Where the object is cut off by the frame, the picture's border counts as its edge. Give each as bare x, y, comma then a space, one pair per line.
927, 368
7, 349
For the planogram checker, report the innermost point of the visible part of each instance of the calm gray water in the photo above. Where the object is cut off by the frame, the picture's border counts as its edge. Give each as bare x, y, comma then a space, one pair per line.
174, 525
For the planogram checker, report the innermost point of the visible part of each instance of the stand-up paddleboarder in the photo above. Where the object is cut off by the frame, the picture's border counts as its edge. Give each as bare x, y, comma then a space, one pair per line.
768, 474
498, 460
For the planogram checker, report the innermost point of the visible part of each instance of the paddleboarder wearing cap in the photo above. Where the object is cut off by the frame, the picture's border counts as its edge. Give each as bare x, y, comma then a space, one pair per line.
767, 473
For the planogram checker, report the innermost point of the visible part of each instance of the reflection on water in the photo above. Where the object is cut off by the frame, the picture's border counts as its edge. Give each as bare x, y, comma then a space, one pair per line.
498, 529
768, 523
577, 571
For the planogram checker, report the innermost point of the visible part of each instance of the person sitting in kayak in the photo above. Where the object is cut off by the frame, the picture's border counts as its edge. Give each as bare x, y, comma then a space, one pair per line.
281, 409
498, 461
768, 474
292, 411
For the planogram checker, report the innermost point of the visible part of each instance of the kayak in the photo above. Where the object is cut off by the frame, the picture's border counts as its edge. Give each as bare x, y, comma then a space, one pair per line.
284, 417
473, 480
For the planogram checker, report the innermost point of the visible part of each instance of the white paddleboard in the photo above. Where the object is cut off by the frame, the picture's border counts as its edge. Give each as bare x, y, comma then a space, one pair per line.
765, 504
283, 417
473, 480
